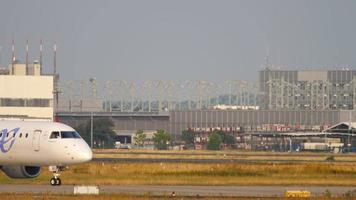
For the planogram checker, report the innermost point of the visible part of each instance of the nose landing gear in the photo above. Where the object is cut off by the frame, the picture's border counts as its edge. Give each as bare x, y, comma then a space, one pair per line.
56, 181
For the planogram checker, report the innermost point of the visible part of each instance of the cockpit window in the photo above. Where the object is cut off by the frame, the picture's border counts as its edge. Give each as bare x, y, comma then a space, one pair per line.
70, 134
54, 135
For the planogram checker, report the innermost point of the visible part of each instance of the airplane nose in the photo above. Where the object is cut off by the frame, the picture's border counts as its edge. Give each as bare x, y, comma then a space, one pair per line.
85, 154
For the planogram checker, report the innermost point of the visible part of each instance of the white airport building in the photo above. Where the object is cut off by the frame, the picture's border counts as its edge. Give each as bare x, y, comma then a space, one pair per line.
25, 92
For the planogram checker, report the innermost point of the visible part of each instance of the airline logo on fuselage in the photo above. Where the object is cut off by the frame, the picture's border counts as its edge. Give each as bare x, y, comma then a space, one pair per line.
7, 139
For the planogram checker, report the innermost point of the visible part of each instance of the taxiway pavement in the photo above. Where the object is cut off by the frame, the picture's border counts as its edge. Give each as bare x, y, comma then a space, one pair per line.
235, 191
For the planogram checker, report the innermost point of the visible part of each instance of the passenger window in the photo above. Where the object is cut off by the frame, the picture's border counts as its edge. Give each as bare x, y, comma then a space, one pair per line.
26, 135
0, 134
20, 134
54, 135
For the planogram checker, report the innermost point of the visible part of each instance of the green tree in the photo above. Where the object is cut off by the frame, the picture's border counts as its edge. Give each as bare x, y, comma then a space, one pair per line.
161, 139
188, 138
226, 138
140, 138
102, 131
214, 141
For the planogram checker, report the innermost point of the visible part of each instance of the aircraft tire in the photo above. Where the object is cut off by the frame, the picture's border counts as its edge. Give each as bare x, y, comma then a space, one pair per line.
53, 182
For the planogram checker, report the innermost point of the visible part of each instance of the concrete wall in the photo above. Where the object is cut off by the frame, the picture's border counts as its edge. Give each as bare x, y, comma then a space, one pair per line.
26, 87
347, 115
182, 120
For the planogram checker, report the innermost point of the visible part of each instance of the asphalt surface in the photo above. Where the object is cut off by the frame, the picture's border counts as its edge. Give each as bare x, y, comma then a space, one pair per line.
235, 191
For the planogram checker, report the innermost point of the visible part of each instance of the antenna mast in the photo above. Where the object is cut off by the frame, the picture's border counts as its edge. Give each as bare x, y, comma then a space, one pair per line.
13, 57
27, 71
41, 49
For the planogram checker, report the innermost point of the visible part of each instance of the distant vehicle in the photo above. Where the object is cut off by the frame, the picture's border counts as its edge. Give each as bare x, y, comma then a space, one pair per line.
125, 147
25, 146
118, 145
319, 146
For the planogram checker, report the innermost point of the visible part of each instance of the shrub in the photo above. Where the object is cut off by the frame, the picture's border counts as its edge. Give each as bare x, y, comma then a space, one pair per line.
161, 139
214, 141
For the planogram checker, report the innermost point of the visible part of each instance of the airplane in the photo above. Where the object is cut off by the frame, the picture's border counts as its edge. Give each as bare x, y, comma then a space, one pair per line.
26, 145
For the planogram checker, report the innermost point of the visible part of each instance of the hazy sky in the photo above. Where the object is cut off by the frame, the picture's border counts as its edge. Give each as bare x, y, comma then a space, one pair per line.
182, 39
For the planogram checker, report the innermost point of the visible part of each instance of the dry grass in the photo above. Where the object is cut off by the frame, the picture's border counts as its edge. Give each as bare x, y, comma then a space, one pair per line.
202, 174
248, 156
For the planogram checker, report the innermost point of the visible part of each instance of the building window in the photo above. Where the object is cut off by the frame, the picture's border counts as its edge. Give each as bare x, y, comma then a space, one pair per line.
7, 102
37, 102
11, 102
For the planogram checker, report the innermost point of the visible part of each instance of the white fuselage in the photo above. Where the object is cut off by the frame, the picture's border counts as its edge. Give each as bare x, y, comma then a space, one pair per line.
32, 143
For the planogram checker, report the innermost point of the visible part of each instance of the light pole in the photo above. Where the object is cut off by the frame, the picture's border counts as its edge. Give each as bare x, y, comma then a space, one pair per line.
349, 133
91, 130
